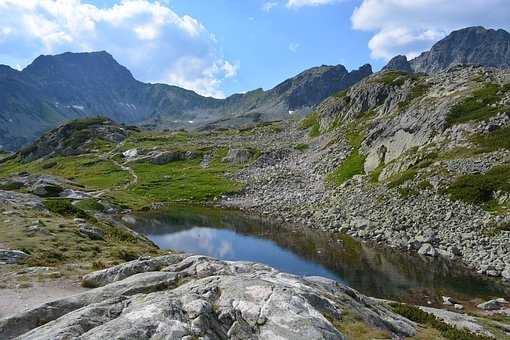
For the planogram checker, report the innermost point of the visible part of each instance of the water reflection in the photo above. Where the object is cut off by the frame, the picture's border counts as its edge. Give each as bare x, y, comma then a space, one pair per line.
383, 273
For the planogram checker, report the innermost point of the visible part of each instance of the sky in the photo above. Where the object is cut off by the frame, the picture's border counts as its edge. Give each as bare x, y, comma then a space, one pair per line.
221, 47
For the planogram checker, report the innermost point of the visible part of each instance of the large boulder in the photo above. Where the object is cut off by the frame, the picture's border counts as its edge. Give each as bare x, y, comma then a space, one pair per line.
200, 297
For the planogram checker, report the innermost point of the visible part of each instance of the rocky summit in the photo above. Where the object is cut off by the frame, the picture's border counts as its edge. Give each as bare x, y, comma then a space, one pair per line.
468, 46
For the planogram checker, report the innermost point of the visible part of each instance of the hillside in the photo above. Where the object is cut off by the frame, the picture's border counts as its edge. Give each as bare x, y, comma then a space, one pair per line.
55, 89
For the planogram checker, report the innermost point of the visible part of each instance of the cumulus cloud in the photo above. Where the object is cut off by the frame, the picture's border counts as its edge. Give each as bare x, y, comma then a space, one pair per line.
412, 26
303, 3
148, 37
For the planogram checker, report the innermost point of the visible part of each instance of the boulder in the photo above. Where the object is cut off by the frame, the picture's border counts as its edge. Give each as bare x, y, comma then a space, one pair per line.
46, 190
130, 154
8, 256
428, 250
91, 232
493, 304
200, 297
238, 156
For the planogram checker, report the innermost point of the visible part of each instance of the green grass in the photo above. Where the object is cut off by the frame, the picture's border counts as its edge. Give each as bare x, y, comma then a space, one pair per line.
395, 78
449, 332
180, 181
353, 165
402, 178
81, 124
482, 104
418, 90
350, 167
499, 139
11, 186
479, 188
90, 204
312, 122
302, 147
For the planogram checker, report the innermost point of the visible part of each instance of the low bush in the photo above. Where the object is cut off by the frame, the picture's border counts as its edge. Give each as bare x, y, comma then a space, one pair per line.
479, 188
482, 104
64, 207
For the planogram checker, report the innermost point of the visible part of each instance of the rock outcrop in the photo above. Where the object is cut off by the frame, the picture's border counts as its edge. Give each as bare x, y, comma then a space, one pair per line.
185, 297
467, 46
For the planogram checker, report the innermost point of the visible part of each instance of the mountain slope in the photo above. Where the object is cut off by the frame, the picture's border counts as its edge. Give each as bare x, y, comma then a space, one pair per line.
54, 89
470, 46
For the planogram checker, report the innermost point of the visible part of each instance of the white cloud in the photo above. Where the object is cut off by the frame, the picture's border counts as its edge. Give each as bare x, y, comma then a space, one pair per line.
293, 47
303, 3
146, 36
268, 6
412, 26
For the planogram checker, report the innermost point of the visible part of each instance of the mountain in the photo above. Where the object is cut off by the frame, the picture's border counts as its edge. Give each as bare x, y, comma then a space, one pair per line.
54, 89
468, 46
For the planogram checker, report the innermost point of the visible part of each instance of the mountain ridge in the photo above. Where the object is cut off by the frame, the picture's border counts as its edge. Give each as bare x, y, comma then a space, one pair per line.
54, 89
469, 46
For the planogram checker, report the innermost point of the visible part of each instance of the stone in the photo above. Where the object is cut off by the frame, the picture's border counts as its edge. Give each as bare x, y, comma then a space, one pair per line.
458, 320
200, 297
493, 304
130, 154
458, 306
74, 194
448, 301
505, 274
9, 256
238, 156
91, 232
46, 190
161, 158
428, 250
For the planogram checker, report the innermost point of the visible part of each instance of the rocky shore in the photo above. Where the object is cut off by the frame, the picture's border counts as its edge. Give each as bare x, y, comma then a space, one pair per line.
289, 186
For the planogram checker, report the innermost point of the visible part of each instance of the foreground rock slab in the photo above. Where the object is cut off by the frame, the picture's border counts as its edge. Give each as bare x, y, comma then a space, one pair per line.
189, 297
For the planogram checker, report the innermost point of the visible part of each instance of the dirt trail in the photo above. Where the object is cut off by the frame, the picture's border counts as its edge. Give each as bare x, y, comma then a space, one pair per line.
16, 300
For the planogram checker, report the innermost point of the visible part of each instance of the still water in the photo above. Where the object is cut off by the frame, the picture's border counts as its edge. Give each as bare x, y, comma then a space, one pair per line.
375, 271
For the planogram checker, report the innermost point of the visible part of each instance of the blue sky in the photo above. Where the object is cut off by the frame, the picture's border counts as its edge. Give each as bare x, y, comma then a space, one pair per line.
220, 47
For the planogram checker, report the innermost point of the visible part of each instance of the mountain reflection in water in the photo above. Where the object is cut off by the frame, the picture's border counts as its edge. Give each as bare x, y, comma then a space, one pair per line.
375, 271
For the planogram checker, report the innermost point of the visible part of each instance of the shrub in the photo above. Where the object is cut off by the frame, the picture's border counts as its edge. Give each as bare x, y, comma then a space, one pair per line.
482, 104
11, 185
499, 139
64, 207
478, 188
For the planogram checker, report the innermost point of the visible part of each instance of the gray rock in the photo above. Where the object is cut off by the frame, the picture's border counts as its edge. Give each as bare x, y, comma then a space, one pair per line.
11, 256
458, 320
493, 304
199, 297
46, 190
398, 63
91, 232
506, 274
161, 158
428, 250
238, 156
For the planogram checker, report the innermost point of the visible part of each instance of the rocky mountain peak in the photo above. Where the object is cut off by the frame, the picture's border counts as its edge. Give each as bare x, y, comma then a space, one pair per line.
398, 63
79, 67
472, 45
